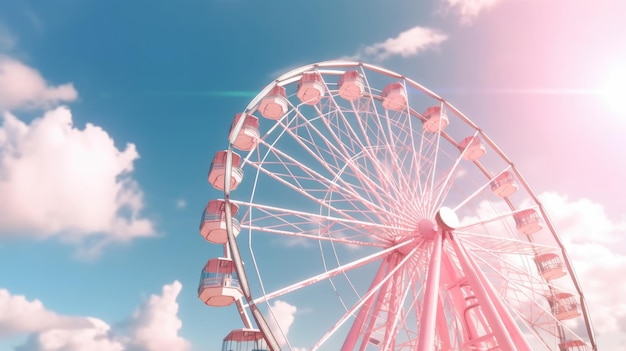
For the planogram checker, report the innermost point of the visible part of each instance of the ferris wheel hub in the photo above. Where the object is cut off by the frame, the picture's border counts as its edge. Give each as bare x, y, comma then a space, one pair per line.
447, 219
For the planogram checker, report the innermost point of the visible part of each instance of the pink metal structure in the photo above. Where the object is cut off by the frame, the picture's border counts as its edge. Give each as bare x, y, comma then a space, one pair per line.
381, 223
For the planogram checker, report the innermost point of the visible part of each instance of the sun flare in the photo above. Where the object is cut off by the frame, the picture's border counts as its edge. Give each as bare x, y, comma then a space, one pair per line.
614, 91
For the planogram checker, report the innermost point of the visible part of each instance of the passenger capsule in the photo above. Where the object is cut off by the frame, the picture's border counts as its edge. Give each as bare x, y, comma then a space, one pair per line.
436, 119
219, 284
274, 105
213, 223
394, 97
248, 135
504, 185
473, 147
244, 340
217, 172
550, 266
351, 86
564, 306
310, 88
528, 221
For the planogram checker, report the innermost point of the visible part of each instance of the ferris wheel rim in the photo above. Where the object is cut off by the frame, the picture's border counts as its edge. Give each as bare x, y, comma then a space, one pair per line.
289, 77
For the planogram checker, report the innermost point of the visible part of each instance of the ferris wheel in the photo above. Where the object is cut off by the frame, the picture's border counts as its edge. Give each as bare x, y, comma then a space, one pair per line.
385, 219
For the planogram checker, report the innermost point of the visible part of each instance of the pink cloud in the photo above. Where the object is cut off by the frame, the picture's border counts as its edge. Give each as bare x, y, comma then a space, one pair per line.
23, 87
468, 10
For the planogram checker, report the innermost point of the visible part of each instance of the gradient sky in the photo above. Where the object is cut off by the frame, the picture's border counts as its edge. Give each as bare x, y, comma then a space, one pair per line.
112, 110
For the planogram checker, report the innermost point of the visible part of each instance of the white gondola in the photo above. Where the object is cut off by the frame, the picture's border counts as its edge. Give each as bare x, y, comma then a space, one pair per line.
217, 172
219, 284
564, 306
310, 88
213, 223
244, 340
248, 135
473, 147
351, 85
394, 97
504, 185
436, 119
550, 266
274, 105
528, 221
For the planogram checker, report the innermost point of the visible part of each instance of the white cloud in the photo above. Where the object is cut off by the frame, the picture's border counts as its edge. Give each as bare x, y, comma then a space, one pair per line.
24, 87
95, 337
597, 248
57, 180
408, 43
154, 326
468, 10
181, 203
18, 315
280, 320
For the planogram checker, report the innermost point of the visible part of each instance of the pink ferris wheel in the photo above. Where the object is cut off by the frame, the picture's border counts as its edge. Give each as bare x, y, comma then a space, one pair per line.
381, 218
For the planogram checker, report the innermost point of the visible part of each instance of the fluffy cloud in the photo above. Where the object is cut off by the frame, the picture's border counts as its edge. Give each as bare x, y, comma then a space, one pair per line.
18, 315
468, 10
23, 87
154, 326
597, 248
408, 43
57, 180
281, 319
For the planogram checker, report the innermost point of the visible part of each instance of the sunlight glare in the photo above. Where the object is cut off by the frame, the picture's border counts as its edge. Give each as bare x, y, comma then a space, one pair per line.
614, 91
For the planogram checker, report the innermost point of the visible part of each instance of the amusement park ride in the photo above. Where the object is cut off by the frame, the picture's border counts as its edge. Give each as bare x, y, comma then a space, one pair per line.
420, 232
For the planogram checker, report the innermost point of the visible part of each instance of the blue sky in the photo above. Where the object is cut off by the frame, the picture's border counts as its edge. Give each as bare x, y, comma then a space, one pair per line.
152, 88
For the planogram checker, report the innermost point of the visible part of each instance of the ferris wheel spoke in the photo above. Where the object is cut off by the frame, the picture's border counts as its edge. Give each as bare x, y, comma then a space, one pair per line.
322, 157
386, 187
297, 224
449, 180
329, 274
497, 218
353, 139
532, 291
502, 244
381, 137
311, 182
479, 191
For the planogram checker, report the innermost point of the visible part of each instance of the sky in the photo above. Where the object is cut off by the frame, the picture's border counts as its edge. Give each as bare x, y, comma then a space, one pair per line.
111, 112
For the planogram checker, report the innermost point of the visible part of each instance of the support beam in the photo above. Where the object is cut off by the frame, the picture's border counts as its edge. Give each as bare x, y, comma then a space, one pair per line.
431, 296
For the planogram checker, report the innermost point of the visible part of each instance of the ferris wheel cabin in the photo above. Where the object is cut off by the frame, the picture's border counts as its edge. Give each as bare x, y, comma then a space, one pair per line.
310, 88
473, 147
217, 172
219, 284
394, 97
550, 266
436, 119
244, 340
351, 86
564, 306
213, 224
573, 345
248, 135
274, 105
504, 185
527, 222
